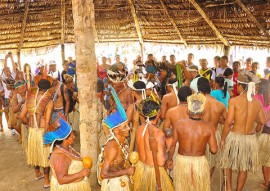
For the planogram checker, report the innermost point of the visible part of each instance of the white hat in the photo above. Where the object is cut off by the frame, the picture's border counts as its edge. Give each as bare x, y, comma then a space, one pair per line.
52, 62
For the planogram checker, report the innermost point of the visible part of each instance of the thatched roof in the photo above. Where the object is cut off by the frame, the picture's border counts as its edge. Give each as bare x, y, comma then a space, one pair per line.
38, 23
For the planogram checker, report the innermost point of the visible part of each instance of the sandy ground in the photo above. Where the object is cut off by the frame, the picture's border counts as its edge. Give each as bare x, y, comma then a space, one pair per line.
15, 175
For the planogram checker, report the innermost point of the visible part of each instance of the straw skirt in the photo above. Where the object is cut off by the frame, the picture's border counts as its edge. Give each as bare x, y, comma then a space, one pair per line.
264, 148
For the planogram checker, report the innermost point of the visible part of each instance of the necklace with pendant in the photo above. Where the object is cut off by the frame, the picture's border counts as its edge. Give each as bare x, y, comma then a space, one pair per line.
68, 152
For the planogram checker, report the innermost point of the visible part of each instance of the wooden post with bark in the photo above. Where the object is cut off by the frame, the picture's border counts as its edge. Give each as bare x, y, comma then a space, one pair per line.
84, 23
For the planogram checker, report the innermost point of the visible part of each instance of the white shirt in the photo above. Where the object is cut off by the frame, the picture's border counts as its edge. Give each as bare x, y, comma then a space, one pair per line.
218, 72
7, 92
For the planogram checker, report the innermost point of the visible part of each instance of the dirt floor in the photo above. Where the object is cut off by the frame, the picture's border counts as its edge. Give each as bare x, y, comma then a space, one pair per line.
15, 175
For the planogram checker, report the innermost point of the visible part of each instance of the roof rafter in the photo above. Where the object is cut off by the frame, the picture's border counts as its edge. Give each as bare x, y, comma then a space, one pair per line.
133, 12
26, 10
252, 18
63, 20
210, 23
173, 22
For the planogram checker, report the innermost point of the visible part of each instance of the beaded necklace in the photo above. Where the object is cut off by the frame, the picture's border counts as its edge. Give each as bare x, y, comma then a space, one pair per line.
68, 152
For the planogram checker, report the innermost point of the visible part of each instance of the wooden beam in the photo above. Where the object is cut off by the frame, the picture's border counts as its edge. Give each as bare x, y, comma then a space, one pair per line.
253, 18
26, 9
173, 22
63, 28
210, 23
133, 12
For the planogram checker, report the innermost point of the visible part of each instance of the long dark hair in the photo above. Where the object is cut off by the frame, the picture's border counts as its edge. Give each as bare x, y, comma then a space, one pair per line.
222, 84
264, 88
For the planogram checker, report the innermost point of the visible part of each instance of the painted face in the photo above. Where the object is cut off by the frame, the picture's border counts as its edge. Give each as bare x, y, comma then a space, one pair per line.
71, 138
123, 130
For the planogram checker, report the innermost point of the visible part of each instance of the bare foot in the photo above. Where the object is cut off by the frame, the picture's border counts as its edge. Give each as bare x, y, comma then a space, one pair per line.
263, 186
39, 176
46, 183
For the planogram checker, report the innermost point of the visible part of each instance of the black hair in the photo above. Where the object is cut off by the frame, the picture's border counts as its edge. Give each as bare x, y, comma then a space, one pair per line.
228, 72
222, 83
217, 58
148, 107
202, 80
205, 88
171, 80
237, 62
139, 85
264, 88
183, 93
225, 57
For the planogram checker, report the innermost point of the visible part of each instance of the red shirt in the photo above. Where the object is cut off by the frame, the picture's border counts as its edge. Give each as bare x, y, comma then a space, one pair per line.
235, 76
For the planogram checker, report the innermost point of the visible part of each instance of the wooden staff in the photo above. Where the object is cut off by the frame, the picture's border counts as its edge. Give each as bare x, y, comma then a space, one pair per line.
154, 148
135, 123
28, 77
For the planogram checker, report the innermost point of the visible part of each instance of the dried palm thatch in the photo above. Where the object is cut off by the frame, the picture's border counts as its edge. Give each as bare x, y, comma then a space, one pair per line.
38, 23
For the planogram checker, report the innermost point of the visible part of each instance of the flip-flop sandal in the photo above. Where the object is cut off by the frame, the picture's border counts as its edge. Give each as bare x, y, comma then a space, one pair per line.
40, 177
46, 186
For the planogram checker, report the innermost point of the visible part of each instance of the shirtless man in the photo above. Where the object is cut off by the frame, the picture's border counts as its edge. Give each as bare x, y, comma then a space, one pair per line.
60, 97
39, 108
145, 177
179, 112
193, 135
215, 113
170, 99
239, 134
115, 167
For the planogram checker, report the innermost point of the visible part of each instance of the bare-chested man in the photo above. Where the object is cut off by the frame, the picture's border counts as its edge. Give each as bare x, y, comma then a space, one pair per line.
61, 101
215, 113
39, 108
193, 135
169, 100
238, 140
145, 177
115, 166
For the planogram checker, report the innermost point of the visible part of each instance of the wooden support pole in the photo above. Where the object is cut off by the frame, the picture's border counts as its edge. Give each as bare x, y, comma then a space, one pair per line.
19, 60
63, 53
26, 10
84, 23
173, 22
227, 51
209, 22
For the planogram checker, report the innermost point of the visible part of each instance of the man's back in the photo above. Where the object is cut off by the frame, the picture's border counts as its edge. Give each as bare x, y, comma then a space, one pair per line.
244, 114
193, 136
214, 110
143, 147
174, 114
168, 101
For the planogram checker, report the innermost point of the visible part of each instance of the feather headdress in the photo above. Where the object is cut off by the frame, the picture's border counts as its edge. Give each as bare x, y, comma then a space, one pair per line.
117, 118
196, 103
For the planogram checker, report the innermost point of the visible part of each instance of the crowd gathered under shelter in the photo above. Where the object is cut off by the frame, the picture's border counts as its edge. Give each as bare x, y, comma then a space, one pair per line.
168, 124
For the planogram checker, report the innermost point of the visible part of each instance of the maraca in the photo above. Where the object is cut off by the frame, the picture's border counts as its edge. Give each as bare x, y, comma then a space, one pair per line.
133, 159
87, 163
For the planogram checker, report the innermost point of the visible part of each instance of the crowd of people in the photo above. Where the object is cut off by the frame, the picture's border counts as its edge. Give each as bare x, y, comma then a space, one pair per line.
168, 124
183, 119
33, 99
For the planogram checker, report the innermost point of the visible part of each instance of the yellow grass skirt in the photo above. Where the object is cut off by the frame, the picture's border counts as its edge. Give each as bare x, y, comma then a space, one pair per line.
193, 173
37, 153
24, 135
213, 159
114, 184
240, 152
145, 178
75, 167
264, 148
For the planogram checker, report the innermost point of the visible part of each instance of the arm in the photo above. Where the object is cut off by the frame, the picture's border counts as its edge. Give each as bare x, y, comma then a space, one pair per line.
16, 105
167, 121
110, 153
223, 116
163, 108
174, 141
48, 114
129, 113
161, 152
261, 119
14, 67
23, 115
228, 122
66, 97
61, 165
212, 141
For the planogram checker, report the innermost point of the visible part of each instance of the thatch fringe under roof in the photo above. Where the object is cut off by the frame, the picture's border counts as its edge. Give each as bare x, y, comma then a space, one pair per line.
38, 23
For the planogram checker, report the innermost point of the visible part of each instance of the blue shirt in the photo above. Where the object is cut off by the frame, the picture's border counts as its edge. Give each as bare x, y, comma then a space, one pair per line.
218, 94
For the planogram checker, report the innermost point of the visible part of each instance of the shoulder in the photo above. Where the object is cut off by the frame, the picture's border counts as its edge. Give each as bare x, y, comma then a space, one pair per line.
58, 157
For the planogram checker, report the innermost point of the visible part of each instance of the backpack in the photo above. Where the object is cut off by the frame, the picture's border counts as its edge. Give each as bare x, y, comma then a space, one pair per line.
72, 102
